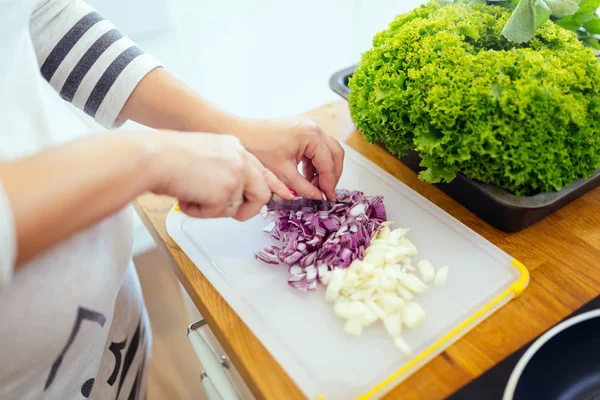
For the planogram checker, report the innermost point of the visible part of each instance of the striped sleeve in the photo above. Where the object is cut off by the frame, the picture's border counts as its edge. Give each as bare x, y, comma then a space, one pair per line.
86, 59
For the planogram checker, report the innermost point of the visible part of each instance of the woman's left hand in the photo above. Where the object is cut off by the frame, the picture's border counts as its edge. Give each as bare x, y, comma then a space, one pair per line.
283, 143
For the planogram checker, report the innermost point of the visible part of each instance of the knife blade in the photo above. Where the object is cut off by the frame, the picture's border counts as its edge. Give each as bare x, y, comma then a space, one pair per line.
302, 203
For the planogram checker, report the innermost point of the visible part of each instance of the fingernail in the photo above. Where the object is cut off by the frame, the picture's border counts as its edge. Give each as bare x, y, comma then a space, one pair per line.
292, 191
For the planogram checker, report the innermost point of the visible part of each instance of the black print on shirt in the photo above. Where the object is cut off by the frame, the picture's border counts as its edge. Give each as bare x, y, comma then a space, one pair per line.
129, 356
86, 388
116, 348
123, 364
82, 315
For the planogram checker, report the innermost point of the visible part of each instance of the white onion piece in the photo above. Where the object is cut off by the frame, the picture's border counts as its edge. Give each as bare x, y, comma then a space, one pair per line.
360, 295
388, 283
406, 248
426, 270
325, 277
368, 318
349, 309
335, 284
393, 324
440, 277
367, 270
412, 283
350, 279
354, 326
413, 314
390, 302
404, 293
402, 346
374, 258
375, 309
394, 271
397, 234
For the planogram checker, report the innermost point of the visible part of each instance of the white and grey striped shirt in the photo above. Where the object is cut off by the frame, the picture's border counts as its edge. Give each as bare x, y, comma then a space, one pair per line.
86, 58
72, 321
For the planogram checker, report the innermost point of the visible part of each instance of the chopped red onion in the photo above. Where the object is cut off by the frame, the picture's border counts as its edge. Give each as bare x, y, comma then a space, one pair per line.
330, 239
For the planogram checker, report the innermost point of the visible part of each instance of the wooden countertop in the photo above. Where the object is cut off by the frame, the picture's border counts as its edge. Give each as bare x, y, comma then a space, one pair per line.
562, 253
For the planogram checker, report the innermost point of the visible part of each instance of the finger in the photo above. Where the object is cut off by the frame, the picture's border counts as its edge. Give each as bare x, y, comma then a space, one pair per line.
256, 194
323, 162
308, 169
196, 210
296, 181
275, 185
338, 153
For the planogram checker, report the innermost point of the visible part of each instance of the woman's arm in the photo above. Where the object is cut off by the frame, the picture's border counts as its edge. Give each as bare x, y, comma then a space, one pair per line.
60, 191
161, 101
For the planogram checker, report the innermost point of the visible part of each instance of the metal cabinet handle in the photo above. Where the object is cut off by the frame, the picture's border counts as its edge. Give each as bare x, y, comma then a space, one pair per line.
214, 376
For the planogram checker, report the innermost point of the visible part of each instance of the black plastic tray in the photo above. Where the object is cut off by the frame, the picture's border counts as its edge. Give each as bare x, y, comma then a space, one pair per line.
494, 205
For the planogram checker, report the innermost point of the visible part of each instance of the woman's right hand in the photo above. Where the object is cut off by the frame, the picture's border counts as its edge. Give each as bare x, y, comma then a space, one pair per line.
210, 175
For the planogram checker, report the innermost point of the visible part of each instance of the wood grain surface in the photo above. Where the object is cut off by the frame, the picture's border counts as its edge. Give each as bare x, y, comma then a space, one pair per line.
562, 253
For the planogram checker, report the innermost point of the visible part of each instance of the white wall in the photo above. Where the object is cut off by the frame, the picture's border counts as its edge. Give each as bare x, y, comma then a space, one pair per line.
137, 18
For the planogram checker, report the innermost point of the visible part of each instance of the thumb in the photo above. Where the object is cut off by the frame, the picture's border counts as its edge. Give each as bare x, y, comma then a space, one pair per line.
303, 187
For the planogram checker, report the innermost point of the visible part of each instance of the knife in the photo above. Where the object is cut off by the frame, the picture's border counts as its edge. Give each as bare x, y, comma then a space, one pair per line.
302, 203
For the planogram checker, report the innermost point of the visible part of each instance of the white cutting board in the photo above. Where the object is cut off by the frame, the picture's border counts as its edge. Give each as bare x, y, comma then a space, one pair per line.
300, 329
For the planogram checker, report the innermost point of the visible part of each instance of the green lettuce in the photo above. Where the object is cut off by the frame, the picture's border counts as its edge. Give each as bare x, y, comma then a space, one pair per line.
443, 81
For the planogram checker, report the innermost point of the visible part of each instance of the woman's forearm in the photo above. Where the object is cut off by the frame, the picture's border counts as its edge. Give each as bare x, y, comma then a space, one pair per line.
64, 189
161, 101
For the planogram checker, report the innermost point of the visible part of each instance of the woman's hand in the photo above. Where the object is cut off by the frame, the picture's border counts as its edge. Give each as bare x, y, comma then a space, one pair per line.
80, 183
212, 175
282, 144
162, 102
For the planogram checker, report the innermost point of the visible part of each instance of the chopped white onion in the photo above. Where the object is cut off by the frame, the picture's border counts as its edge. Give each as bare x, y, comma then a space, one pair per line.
426, 270
390, 302
412, 283
413, 314
381, 286
368, 318
393, 324
402, 346
406, 248
335, 284
440, 277
405, 293
375, 309
325, 277
349, 309
354, 326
